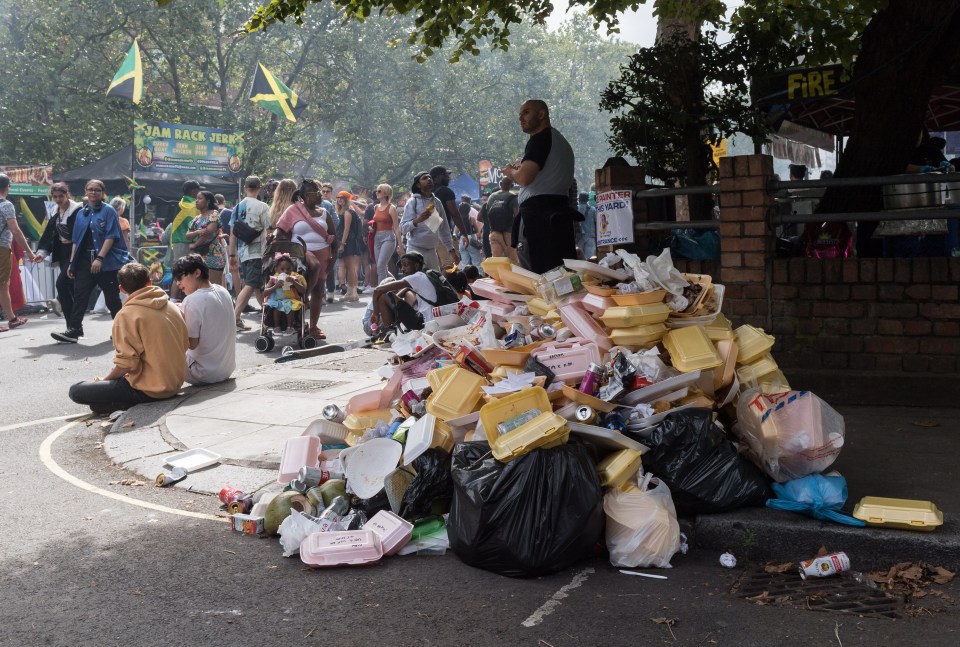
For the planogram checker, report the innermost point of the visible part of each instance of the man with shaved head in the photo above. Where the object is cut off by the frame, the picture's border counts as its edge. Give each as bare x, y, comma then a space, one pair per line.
544, 233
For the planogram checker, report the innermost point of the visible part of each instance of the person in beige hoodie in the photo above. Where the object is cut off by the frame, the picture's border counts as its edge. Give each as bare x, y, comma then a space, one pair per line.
150, 343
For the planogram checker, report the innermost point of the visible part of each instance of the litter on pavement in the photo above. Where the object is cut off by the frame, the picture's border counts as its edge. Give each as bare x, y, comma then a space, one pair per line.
595, 402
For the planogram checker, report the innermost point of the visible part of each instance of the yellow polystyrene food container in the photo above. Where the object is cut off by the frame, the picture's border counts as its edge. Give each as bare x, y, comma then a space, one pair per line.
517, 282
552, 317
629, 316
638, 336
753, 343
639, 298
690, 349
753, 372
511, 406
538, 306
617, 468
457, 396
436, 376
774, 382
723, 374
905, 514
720, 329
492, 266
358, 423
546, 430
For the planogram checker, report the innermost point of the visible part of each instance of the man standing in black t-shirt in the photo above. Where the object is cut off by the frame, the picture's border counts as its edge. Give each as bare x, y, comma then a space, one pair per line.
544, 232
441, 189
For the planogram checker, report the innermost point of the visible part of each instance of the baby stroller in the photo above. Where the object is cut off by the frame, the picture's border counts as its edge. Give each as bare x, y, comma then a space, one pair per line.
297, 251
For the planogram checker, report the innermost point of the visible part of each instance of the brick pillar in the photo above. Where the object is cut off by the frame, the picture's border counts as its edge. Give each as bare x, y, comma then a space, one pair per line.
746, 242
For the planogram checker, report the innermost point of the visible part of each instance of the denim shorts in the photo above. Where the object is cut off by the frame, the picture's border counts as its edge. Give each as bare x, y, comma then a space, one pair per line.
251, 273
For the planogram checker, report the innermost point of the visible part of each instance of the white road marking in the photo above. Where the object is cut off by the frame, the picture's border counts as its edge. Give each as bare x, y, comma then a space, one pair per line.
46, 457
21, 425
551, 605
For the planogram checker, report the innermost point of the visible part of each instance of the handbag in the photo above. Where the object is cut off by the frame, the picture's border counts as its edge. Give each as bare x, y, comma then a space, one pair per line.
245, 232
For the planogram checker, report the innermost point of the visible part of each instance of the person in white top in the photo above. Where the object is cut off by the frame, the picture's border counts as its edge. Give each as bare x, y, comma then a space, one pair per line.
209, 315
415, 288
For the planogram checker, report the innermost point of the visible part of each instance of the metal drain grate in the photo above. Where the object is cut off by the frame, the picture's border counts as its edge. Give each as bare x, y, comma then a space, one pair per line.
302, 385
837, 594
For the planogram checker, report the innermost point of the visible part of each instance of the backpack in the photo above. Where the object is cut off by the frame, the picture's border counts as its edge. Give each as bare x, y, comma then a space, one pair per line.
446, 294
500, 213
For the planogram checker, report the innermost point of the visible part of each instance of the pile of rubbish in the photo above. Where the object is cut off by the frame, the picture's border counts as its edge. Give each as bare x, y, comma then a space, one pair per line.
594, 402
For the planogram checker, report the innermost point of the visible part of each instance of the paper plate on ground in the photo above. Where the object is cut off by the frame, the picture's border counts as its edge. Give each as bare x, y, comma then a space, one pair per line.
193, 459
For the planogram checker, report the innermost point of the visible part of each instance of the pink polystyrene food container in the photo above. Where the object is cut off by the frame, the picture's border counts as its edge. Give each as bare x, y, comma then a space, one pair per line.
568, 359
594, 303
583, 325
302, 451
341, 548
394, 531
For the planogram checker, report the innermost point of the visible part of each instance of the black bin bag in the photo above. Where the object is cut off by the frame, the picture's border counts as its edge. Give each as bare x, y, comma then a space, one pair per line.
535, 515
701, 466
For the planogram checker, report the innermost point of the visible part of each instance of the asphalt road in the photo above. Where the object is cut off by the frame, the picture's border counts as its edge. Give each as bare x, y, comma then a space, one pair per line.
83, 565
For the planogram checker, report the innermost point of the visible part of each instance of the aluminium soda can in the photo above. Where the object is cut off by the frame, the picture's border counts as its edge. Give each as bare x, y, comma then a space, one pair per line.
229, 494
586, 414
333, 413
825, 566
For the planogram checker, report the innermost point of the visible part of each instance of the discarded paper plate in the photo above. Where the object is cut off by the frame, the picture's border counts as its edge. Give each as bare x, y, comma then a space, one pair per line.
369, 463
193, 459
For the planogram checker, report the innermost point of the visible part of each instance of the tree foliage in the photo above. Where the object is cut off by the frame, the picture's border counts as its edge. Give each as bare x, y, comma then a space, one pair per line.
373, 115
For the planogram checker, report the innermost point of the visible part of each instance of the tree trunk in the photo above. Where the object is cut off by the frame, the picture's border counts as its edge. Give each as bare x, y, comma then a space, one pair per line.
907, 51
686, 94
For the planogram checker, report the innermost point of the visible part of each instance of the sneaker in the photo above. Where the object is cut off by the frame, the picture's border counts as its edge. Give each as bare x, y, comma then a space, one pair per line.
70, 336
287, 332
242, 326
343, 288
278, 331
249, 309
329, 297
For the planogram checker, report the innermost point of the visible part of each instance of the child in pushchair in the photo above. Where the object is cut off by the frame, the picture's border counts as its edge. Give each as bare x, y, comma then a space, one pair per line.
285, 295
285, 288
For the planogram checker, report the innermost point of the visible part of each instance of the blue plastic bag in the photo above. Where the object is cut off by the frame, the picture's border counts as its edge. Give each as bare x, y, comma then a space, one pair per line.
817, 495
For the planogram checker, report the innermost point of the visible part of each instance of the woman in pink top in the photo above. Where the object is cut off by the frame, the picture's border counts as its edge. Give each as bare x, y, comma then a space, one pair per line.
309, 222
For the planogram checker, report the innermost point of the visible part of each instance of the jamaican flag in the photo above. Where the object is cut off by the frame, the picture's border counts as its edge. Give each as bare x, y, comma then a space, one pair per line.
128, 83
31, 207
269, 92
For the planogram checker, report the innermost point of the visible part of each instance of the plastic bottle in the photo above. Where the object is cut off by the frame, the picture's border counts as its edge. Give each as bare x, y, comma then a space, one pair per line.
330, 518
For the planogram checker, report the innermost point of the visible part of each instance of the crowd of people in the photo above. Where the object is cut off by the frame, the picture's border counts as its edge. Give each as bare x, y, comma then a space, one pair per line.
410, 255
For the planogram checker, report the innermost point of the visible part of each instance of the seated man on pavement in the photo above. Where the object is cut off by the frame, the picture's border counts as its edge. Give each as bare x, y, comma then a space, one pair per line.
208, 312
411, 297
150, 344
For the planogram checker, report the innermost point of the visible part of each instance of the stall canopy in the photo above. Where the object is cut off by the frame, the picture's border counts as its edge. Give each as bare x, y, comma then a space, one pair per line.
822, 98
465, 184
114, 170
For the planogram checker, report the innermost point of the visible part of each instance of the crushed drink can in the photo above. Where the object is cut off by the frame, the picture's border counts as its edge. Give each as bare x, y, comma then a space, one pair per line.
241, 505
229, 494
825, 566
333, 413
543, 331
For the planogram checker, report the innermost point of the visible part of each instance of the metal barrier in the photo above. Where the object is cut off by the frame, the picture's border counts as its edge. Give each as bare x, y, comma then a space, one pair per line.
40, 284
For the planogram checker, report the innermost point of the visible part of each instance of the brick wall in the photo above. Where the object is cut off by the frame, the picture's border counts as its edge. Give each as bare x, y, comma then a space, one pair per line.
885, 315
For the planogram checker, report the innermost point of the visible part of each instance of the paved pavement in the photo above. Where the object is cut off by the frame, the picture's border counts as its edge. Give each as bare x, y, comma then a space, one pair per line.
890, 451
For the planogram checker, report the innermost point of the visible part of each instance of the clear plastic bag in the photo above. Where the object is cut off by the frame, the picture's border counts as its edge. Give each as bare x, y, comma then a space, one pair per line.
642, 528
789, 435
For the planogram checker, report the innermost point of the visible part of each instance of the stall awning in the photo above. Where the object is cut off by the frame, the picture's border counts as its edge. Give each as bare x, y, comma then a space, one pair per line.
822, 98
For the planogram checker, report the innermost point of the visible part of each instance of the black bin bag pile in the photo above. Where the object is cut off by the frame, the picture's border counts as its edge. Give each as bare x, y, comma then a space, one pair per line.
533, 516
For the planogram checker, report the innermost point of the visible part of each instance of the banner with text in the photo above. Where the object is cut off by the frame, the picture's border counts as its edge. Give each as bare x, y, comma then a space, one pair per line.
614, 218
179, 148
